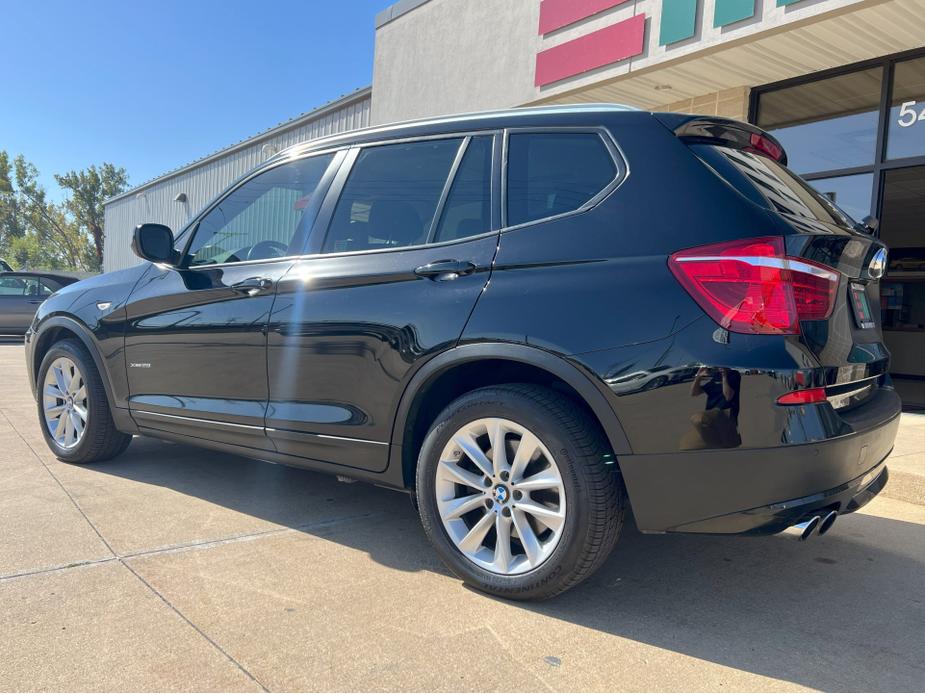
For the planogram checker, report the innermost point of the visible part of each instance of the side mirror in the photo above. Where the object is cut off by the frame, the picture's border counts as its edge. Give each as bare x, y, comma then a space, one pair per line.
871, 223
154, 242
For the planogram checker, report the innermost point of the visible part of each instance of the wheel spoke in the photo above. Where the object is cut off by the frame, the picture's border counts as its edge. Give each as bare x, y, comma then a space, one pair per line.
461, 476
496, 431
526, 449
52, 391
551, 518
527, 537
473, 539
60, 428
546, 479
462, 505
54, 411
468, 445
502, 562
66, 429
77, 426
81, 393
80, 412
60, 379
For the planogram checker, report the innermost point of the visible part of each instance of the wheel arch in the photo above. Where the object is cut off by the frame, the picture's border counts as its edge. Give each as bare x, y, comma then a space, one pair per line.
453, 373
57, 328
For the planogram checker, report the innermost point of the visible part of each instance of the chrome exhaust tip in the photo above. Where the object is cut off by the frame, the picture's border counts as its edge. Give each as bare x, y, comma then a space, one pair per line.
805, 530
827, 522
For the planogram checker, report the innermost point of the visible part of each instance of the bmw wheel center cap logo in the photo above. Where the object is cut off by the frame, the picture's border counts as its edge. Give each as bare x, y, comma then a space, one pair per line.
501, 494
878, 264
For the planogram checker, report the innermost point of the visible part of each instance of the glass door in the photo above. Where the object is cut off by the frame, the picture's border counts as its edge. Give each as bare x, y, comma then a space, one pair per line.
902, 228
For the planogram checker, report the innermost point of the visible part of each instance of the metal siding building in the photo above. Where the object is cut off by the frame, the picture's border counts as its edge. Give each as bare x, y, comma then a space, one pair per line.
201, 181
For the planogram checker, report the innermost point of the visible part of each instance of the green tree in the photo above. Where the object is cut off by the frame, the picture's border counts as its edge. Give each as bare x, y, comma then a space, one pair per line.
88, 189
36, 233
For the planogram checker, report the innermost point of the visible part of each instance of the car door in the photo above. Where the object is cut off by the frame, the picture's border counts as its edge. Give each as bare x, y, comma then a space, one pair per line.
400, 255
195, 345
20, 297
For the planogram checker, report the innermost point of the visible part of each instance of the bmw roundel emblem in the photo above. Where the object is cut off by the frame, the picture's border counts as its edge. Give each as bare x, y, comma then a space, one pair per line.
878, 264
501, 494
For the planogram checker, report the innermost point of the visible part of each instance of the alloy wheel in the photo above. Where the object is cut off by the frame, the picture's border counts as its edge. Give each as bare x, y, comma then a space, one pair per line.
64, 402
500, 496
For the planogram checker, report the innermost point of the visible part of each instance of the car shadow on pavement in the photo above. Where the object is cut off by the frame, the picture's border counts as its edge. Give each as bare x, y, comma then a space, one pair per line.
843, 612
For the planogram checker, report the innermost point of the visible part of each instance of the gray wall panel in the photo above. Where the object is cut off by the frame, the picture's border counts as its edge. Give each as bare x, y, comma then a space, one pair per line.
202, 182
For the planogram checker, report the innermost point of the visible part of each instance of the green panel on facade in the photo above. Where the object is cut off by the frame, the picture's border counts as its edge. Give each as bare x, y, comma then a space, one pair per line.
782, 3
729, 11
679, 20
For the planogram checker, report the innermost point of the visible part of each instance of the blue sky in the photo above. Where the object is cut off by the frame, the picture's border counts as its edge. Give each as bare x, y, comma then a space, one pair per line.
154, 85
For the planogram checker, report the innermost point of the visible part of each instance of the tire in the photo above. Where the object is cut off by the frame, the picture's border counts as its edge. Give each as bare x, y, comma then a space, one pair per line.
588, 491
98, 439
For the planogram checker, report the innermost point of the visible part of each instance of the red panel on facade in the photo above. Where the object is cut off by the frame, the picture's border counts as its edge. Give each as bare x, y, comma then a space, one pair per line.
605, 46
555, 14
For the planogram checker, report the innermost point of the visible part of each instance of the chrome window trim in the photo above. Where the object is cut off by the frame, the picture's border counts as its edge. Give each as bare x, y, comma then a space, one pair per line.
613, 148
348, 139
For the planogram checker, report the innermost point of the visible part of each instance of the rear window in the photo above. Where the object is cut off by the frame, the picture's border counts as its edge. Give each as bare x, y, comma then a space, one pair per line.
772, 185
549, 174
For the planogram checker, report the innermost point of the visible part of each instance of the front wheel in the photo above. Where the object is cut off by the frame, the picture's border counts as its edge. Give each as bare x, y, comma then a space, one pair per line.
517, 493
73, 408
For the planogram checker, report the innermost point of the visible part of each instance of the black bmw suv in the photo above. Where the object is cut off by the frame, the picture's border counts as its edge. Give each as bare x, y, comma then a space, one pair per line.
532, 320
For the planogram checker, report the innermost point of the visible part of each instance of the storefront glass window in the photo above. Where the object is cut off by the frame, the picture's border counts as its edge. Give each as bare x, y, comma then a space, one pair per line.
906, 126
902, 291
826, 125
851, 193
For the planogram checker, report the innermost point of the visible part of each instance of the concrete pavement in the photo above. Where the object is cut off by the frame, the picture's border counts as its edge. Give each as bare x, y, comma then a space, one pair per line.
172, 568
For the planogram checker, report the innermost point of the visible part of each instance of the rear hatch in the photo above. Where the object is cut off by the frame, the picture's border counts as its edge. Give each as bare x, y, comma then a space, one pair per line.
846, 339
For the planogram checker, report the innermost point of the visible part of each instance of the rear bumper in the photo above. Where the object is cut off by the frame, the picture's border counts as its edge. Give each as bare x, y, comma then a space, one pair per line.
759, 491
774, 518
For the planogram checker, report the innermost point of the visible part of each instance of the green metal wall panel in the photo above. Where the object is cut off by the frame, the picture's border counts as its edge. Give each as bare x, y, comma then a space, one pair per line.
729, 11
679, 21
782, 3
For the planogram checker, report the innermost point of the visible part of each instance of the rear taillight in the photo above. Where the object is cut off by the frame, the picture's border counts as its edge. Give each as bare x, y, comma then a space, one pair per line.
751, 286
803, 397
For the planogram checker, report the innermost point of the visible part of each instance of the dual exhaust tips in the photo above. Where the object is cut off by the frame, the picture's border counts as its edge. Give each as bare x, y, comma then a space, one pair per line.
817, 525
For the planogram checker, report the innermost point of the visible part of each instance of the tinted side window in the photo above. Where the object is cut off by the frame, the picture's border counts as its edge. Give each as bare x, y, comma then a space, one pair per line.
259, 219
12, 286
23, 286
391, 196
553, 173
467, 211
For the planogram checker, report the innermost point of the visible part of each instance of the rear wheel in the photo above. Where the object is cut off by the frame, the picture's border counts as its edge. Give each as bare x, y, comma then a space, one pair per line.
516, 492
73, 408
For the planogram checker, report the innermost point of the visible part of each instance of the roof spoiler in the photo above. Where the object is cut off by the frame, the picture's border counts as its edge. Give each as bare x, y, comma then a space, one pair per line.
724, 131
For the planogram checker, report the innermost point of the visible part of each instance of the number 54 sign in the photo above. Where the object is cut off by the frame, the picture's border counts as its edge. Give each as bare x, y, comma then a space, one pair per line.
908, 115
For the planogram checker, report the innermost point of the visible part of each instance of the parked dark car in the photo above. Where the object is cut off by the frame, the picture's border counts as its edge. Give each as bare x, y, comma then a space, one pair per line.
20, 296
448, 306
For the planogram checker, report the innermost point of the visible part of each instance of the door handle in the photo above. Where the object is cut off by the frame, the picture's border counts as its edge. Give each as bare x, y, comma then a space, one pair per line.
36, 301
443, 270
253, 285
